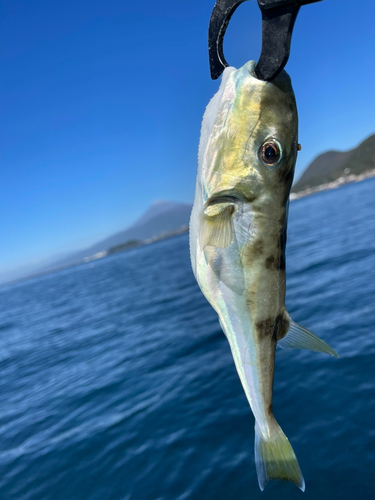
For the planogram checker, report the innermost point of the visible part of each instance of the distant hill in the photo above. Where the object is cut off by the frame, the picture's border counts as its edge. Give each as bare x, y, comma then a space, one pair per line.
162, 217
331, 165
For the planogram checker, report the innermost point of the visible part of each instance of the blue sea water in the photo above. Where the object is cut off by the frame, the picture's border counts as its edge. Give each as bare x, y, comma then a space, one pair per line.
116, 382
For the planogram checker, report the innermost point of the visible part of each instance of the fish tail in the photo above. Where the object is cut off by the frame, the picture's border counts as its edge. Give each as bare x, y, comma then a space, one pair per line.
275, 458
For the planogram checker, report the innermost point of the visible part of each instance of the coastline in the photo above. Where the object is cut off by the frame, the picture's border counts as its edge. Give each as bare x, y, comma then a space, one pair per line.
341, 181
104, 253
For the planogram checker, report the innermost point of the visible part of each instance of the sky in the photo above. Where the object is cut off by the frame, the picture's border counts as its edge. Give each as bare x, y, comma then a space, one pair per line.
101, 104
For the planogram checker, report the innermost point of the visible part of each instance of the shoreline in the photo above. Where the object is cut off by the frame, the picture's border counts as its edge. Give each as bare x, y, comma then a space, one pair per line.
341, 181
100, 255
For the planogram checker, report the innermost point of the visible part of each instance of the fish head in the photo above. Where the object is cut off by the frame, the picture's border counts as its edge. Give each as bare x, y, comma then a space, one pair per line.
250, 147
247, 155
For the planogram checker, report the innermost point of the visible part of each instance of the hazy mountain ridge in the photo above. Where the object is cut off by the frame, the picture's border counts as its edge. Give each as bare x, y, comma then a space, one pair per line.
162, 217
328, 171
332, 165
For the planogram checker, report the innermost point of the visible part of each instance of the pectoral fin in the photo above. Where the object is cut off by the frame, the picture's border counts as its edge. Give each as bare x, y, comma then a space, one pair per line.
216, 225
299, 337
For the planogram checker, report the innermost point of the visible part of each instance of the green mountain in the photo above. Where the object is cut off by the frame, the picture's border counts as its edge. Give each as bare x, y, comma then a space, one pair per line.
329, 166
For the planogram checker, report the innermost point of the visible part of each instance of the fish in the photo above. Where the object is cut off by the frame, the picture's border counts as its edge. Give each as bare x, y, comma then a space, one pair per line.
237, 235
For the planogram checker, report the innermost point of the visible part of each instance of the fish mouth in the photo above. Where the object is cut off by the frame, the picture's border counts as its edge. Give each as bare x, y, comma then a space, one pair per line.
234, 197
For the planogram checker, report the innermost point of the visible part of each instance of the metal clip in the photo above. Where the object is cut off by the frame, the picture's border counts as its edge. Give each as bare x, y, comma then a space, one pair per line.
278, 18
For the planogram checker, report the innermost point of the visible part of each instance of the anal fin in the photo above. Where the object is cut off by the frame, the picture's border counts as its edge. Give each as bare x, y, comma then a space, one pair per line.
299, 337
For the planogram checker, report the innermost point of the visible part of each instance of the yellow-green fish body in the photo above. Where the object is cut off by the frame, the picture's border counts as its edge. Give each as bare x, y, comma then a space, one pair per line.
247, 154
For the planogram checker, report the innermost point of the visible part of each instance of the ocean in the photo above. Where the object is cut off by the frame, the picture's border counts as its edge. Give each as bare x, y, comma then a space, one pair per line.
117, 382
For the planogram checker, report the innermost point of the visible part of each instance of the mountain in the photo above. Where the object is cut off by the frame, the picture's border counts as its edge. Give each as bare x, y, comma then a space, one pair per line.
331, 165
162, 217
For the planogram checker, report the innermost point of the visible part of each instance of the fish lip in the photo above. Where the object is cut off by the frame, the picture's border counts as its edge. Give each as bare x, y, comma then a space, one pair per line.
232, 196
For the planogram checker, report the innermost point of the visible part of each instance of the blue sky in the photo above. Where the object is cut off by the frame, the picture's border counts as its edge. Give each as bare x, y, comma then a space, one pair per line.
101, 105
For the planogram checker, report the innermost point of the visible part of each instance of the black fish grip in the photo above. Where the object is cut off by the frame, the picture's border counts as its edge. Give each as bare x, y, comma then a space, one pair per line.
278, 18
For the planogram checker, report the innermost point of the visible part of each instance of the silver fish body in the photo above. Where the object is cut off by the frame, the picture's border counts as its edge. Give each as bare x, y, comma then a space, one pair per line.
247, 154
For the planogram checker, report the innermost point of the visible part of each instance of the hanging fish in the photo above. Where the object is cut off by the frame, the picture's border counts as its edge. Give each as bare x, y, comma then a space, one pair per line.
247, 153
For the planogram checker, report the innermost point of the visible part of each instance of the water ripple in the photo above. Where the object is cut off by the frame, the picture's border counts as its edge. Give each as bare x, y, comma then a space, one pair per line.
118, 384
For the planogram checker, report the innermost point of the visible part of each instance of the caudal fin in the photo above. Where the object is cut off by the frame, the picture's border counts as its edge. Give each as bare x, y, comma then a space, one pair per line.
275, 459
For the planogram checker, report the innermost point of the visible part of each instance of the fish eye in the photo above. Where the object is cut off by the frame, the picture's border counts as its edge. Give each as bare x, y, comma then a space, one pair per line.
270, 153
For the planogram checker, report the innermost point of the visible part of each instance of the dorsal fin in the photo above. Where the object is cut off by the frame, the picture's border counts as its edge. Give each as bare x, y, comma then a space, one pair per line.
299, 337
